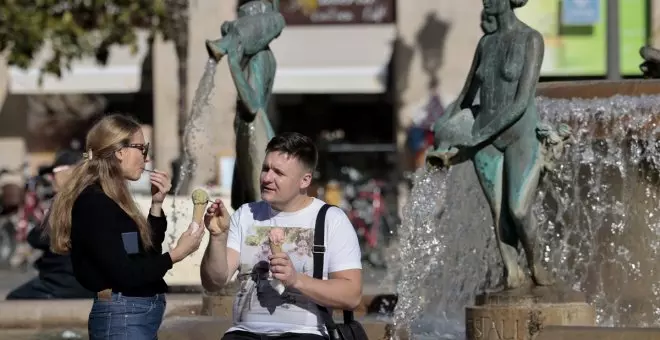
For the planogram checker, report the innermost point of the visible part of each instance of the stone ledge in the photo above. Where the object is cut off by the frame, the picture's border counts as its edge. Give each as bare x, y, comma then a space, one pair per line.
598, 333
221, 305
42, 314
212, 328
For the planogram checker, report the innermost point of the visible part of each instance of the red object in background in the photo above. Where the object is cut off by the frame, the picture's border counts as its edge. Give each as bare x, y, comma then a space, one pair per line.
370, 231
31, 212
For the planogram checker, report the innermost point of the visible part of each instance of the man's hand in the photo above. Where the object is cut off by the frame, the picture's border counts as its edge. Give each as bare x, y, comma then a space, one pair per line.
282, 269
217, 218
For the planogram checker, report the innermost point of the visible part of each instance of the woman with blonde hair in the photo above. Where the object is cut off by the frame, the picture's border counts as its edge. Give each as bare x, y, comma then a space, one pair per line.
116, 252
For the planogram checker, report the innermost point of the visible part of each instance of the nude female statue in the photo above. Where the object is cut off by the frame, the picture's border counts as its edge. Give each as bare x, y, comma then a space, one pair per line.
502, 135
245, 41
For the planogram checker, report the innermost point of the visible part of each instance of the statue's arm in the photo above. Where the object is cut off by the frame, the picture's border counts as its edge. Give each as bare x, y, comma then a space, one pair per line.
276, 5
470, 88
526, 90
245, 91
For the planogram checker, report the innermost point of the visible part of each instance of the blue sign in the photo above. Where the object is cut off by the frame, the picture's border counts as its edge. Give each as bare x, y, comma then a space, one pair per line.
580, 12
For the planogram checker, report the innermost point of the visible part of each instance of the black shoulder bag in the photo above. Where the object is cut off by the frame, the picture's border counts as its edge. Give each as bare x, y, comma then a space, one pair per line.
350, 329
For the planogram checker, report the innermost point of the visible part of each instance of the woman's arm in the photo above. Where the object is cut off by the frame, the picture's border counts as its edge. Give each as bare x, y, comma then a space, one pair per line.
95, 231
37, 237
158, 222
526, 89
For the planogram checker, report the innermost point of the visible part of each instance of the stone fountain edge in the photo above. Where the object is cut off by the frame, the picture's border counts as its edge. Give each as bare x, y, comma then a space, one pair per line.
45, 314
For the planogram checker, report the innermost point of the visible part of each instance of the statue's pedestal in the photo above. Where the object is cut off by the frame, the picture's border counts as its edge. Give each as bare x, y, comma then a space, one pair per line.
519, 314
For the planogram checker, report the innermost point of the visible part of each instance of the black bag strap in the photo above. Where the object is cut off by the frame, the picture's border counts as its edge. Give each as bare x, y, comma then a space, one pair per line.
318, 251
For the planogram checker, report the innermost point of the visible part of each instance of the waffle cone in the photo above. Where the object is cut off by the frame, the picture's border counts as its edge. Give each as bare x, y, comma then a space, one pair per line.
275, 247
198, 213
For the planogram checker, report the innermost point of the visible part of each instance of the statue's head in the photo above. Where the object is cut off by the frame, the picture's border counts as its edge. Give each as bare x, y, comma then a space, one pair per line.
494, 7
255, 7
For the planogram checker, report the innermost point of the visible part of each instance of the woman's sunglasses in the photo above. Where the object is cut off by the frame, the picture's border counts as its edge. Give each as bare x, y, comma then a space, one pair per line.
142, 147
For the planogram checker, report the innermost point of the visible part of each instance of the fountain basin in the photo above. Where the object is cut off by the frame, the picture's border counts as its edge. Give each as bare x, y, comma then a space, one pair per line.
588, 89
591, 96
602, 222
598, 333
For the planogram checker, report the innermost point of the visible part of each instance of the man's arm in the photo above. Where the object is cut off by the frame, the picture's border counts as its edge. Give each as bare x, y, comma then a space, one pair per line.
218, 264
342, 289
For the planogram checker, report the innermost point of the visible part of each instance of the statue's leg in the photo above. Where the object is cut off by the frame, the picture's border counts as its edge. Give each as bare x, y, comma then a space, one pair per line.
259, 73
246, 165
522, 166
488, 164
237, 191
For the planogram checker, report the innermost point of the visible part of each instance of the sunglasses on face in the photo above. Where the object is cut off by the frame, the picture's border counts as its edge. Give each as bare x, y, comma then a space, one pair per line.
144, 148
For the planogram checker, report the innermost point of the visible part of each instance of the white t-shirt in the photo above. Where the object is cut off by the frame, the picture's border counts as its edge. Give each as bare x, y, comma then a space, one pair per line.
258, 307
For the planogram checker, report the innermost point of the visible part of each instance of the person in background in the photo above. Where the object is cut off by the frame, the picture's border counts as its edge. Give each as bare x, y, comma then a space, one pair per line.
55, 279
115, 250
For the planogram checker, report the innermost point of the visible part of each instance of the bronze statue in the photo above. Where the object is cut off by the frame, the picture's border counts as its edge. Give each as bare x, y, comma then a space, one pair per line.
501, 133
252, 66
651, 65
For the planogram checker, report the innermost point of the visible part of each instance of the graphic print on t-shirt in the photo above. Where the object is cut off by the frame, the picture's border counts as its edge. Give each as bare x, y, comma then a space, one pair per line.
257, 293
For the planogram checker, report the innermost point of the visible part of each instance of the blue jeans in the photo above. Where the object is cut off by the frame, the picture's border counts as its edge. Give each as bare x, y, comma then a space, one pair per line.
126, 317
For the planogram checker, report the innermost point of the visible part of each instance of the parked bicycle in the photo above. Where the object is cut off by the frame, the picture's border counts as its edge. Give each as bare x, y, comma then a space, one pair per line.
367, 209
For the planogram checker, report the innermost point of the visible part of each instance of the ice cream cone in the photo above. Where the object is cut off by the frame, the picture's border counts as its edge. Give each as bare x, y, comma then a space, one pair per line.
200, 198
276, 247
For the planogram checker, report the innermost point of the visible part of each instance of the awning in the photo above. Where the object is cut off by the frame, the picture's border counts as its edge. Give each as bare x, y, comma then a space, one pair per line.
333, 58
122, 74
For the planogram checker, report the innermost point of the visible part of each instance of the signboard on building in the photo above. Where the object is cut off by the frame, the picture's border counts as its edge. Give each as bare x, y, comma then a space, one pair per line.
576, 44
580, 12
337, 12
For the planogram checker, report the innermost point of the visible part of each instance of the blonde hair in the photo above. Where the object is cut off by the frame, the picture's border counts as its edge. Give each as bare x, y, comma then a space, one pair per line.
107, 136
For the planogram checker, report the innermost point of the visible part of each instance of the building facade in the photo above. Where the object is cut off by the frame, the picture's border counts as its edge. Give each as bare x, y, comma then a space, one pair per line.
362, 70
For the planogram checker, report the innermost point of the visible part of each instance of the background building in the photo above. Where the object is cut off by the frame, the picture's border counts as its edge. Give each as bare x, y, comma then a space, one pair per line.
354, 74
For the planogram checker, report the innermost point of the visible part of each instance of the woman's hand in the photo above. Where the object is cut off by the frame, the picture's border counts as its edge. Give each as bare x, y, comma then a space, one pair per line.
188, 242
160, 186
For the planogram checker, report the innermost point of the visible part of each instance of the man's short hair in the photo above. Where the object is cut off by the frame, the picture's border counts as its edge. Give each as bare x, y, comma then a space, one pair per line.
295, 145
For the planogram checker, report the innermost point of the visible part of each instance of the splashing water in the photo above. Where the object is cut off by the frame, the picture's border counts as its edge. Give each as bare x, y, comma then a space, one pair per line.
194, 137
599, 221
445, 252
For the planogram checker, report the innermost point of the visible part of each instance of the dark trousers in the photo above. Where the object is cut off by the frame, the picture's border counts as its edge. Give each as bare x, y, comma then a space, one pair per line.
126, 317
42, 290
241, 335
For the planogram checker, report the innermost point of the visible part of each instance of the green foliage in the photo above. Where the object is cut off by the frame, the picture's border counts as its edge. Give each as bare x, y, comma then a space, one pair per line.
74, 29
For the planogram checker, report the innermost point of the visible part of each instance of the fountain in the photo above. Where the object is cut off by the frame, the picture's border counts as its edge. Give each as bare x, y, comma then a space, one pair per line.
598, 215
596, 207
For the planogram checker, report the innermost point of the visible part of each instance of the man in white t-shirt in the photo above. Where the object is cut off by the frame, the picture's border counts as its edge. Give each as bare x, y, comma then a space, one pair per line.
278, 297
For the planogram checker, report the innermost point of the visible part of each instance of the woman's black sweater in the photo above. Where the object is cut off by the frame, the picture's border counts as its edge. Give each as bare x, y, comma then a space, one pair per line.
106, 250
